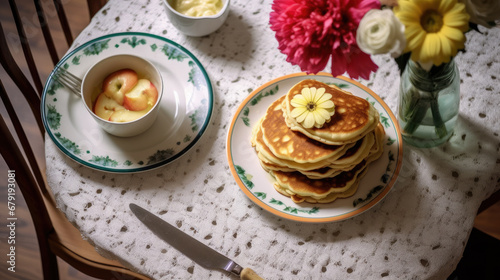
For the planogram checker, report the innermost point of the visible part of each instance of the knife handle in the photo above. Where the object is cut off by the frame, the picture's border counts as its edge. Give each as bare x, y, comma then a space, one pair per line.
249, 274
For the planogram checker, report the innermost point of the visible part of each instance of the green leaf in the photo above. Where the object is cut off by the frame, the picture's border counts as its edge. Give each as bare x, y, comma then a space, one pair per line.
53, 117
246, 111
277, 202
96, 48
261, 95
192, 73
391, 156
244, 176
261, 195
134, 42
314, 210
370, 194
384, 121
160, 156
76, 60
194, 121
341, 85
246, 121
104, 161
68, 144
173, 53
55, 85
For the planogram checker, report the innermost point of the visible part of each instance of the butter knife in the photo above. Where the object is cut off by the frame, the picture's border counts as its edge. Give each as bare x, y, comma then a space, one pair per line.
189, 246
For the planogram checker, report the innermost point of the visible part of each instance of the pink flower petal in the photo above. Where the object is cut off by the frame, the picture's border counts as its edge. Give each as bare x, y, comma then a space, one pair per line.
310, 32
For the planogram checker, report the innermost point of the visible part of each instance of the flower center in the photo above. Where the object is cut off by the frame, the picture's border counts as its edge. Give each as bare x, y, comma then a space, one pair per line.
375, 28
431, 21
311, 106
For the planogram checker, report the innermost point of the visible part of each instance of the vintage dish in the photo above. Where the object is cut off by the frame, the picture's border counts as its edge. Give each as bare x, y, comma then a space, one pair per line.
183, 117
196, 26
92, 86
257, 184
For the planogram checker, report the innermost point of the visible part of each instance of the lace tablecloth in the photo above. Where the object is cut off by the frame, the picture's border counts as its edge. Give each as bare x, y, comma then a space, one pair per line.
417, 232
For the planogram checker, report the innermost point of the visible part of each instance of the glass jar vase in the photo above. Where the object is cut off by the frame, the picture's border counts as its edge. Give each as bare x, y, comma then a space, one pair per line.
428, 103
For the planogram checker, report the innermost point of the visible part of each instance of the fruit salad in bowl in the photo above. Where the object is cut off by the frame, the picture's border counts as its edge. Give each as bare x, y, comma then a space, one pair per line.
122, 93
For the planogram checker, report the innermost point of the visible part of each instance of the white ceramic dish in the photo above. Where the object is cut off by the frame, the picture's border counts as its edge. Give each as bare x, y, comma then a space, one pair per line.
258, 185
92, 86
196, 26
185, 109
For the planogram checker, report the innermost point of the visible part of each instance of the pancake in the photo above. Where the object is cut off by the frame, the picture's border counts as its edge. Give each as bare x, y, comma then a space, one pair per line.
274, 163
354, 116
290, 145
300, 188
318, 165
326, 168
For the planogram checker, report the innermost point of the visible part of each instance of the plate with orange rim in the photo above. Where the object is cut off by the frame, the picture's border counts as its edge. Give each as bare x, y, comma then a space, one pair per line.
257, 184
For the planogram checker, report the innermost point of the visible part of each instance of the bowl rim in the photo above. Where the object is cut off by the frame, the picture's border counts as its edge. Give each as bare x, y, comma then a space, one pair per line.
216, 16
154, 108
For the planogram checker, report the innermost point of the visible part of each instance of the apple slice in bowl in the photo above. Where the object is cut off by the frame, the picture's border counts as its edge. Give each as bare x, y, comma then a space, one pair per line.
122, 93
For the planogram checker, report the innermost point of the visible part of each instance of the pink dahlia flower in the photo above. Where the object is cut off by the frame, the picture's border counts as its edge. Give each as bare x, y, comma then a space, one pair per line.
310, 31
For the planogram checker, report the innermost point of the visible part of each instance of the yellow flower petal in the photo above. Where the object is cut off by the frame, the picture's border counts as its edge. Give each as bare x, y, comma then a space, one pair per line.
312, 107
298, 111
415, 36
431, 47
324, 98
408, 6
424, 5
445, 6
302, 117
306, 93
326, 105
318, 120
452, 33
324, 114
434, 29
309, 120
298, 100
445, 46
457, 20
318, 94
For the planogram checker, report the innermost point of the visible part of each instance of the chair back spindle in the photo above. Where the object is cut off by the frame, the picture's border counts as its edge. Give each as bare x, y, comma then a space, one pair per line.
23, 140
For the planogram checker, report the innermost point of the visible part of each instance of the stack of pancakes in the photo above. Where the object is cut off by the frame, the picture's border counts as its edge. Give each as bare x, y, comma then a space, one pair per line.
318, 165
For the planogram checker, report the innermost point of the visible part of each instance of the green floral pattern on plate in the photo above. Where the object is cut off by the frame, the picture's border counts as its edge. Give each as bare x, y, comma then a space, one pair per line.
133, 42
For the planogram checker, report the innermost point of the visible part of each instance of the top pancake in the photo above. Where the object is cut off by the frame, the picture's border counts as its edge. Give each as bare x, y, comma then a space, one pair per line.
354, 116
287, 144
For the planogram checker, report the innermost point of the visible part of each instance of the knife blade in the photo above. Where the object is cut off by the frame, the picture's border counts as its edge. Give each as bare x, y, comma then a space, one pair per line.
189, 246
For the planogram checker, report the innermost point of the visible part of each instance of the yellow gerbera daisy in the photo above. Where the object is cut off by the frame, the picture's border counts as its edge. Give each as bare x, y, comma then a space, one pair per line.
313, 107
434, 28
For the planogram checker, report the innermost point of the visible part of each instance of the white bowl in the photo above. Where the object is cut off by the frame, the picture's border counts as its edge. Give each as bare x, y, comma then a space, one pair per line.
92, 87
196, 26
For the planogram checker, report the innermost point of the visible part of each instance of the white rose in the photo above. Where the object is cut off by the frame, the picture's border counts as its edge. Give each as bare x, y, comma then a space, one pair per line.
482, 12
380, 32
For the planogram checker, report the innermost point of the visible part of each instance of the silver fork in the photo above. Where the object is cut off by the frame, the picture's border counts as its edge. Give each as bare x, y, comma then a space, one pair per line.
69, 81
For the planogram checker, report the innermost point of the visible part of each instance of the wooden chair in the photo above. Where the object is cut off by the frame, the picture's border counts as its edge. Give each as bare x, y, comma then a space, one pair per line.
57, 237
480, 258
